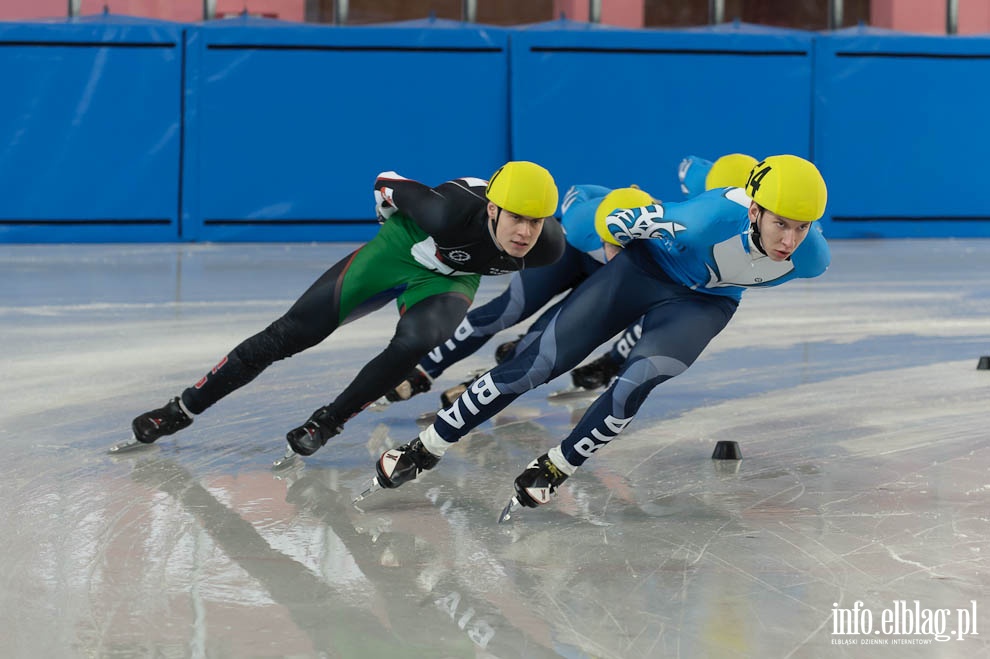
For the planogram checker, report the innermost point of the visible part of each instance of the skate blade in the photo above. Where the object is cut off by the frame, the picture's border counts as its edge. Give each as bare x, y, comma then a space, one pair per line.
426, 418
507, 511
127, 446
572, 393
374, 487
290, 458
380, 404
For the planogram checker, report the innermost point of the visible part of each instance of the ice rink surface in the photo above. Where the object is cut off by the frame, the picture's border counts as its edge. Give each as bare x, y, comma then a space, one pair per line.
857, 523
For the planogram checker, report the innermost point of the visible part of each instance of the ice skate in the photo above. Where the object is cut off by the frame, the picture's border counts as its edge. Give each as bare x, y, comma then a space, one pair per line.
505, 351
534, 486
400, 465
595, 374
288, 459
403, 464
150, 426
372, 488
571, 394
448, 397
126, 446
379, 404
507, 511
589, 378
426, 419
308, 438
416, 382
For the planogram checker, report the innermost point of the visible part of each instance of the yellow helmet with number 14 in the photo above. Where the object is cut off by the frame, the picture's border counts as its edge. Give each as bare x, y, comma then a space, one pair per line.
789, 187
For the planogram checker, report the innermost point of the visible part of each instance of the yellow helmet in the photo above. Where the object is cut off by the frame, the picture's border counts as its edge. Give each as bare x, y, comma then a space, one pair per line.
788, 186
730, 170
523, 188
631, 197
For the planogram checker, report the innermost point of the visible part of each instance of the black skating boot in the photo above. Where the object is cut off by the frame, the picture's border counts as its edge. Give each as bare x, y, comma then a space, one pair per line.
595, 374
308, 438
505, 351
161, 422
448, 397
540, 480
417, 382
402, 464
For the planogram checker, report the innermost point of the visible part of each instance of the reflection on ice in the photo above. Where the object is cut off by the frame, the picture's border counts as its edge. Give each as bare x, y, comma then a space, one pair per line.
855, 400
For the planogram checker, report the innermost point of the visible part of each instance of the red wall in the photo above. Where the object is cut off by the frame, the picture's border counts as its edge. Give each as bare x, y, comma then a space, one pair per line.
186, 11
926, 16
929, 16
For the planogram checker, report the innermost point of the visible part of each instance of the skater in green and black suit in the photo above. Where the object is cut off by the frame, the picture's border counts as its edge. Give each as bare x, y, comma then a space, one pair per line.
433, 246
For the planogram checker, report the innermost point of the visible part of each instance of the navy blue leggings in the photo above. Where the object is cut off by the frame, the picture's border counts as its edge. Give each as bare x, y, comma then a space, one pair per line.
678, 323
528, 292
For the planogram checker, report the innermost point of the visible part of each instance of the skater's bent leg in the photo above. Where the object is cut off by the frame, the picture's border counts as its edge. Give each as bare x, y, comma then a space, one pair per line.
312, 318
584, 268
626, 342
601, 370
421, 327
474, 331
674, 335
590, 314
533, 331
528, 292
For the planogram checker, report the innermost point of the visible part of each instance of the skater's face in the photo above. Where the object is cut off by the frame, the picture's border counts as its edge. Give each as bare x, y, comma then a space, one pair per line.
779, 236
516, 234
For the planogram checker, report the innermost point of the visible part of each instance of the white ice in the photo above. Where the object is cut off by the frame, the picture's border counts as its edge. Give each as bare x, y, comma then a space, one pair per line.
855, 399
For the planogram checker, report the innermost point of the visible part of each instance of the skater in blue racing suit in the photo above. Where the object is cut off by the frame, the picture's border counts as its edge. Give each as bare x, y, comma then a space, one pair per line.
530, 290
683, 269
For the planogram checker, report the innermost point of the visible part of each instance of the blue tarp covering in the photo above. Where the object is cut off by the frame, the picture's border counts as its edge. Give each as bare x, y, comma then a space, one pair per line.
118, 128
287, 128
901, 133
617, 107
91, 129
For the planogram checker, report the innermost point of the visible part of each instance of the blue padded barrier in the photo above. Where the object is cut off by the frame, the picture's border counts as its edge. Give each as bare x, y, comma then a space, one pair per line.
901, 133
124, 129
287, 125
615, 107
90, 125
